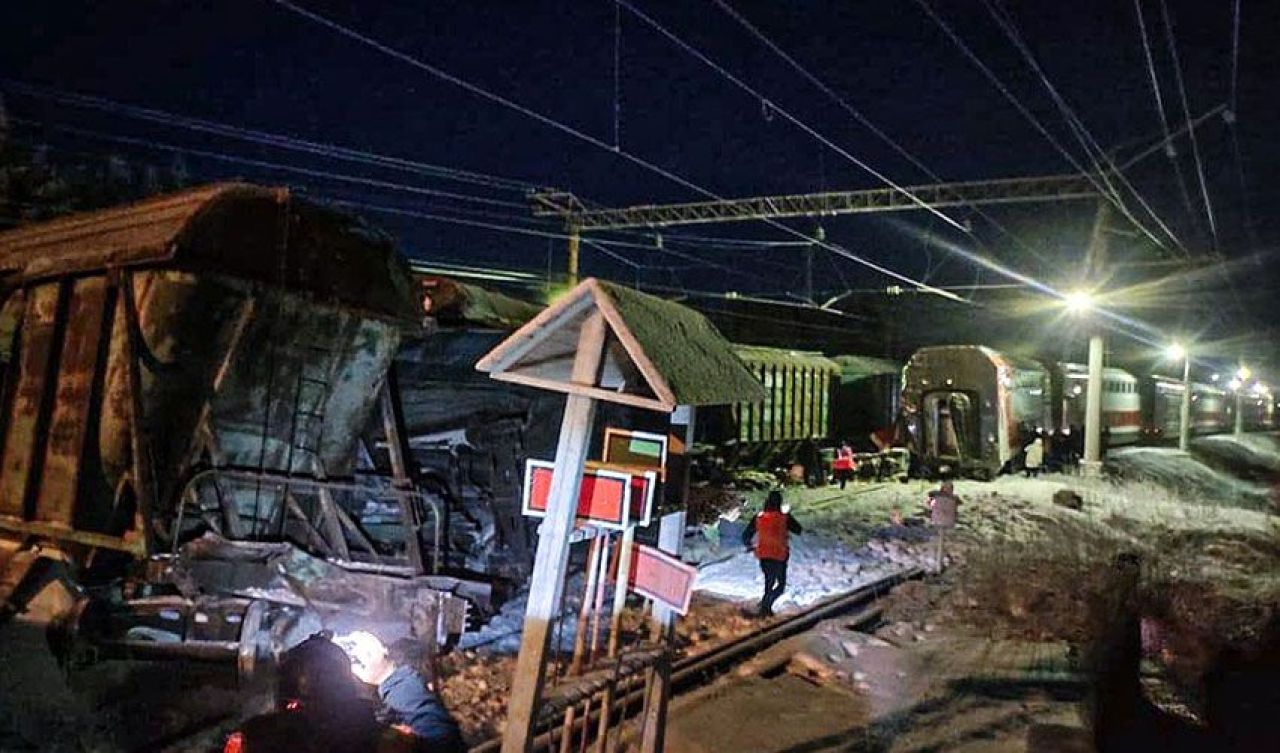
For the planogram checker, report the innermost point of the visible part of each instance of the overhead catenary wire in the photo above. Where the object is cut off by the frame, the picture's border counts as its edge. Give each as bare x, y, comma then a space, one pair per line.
267, 165
506, 225
599, 244
786, 114
264, 138
1035, 122
864, 121
1186, 112
582, 136
1103, 161
1235, 55
1170, 149
1233, 103
1112, 320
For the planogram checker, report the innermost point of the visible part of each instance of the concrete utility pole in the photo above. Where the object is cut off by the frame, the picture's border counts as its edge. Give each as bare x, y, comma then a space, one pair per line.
1239, 428
1093, 406
1095, 263
819, 237
575, 241
1184, 415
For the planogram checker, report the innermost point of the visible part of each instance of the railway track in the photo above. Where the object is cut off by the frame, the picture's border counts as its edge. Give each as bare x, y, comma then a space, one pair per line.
688, 673
696, 670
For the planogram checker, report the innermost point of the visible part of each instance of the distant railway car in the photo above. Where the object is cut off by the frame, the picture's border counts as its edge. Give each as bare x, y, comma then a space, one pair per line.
865, 400
1209, 410
1121, 405
1259, 411
974, 409
1161, 405
971, 407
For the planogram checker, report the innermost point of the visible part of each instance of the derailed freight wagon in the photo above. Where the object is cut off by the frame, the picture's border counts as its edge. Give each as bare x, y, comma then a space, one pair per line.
971, 408
789, 425
471, 435
187, 380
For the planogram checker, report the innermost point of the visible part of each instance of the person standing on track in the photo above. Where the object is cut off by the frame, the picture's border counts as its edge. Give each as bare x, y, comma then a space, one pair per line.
772, 528
943, 505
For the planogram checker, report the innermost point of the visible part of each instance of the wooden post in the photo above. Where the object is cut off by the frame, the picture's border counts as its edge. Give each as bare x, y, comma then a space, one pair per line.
653, 737
547, 582
580, 637
597, 606
671, 541
615, 631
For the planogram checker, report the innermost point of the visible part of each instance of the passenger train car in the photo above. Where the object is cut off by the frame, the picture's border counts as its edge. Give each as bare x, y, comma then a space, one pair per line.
974, 409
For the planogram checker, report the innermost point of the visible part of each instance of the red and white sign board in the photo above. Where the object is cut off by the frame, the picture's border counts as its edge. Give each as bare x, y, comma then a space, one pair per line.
604, 498
642, 491
663, 578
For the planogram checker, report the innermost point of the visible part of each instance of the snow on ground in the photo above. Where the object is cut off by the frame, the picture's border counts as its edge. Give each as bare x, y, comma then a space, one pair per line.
820, 566
1186, 478
501, 634
1249, 451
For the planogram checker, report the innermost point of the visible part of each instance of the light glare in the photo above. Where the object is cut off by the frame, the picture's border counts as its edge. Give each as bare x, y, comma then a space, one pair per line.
1079, 302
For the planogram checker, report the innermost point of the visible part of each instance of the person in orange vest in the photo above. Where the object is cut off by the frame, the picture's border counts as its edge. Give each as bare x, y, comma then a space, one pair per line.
772, 527
843, 466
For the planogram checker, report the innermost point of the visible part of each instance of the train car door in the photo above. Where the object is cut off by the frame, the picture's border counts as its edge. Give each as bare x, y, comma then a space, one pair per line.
950, 425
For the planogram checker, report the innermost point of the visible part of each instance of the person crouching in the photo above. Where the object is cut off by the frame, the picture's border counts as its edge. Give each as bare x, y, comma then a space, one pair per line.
772, 528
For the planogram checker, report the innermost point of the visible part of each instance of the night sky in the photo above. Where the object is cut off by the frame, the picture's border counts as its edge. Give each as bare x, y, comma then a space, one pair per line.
255, 64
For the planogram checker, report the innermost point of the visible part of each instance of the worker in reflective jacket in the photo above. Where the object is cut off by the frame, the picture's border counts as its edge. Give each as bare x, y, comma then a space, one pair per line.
844, 465
771, 529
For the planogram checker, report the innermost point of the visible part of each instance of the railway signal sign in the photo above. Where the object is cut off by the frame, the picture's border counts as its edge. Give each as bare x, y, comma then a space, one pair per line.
663, 578
636, 448
604, 496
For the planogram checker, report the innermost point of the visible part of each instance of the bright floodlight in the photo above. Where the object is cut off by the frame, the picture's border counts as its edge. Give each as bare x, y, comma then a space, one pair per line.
1176, 352
1233, 385
1244, 373
1079, 301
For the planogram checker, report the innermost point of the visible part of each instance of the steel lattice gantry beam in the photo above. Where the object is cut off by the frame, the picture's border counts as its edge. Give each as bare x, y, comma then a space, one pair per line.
1002, 191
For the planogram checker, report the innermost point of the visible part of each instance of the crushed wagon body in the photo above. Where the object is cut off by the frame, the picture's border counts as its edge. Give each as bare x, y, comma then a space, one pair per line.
202, 363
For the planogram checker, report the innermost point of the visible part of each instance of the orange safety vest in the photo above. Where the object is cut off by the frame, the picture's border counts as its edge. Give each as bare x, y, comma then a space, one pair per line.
771, 536
844, 461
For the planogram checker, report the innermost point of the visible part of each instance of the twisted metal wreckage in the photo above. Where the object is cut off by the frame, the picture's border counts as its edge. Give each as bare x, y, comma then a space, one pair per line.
186, 384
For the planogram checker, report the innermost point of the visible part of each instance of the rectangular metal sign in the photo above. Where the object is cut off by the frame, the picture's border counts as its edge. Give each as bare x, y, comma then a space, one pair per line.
636, 448
663, 578
604, 498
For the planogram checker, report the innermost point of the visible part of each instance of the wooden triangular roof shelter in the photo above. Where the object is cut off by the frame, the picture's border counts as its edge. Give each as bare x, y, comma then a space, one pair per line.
658, 353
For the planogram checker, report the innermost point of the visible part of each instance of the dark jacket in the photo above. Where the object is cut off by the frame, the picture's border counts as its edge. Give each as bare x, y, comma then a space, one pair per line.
360, 726
412, 704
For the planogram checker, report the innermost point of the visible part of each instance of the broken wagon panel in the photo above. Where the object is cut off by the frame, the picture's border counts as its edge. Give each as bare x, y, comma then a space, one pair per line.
229, 325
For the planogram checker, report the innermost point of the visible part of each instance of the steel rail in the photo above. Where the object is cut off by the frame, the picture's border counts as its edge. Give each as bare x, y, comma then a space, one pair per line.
691, 671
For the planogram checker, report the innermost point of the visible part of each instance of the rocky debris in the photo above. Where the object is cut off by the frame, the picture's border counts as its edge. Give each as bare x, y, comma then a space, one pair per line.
806, 665
905, 553
1068, 499
708, 502
475, 687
